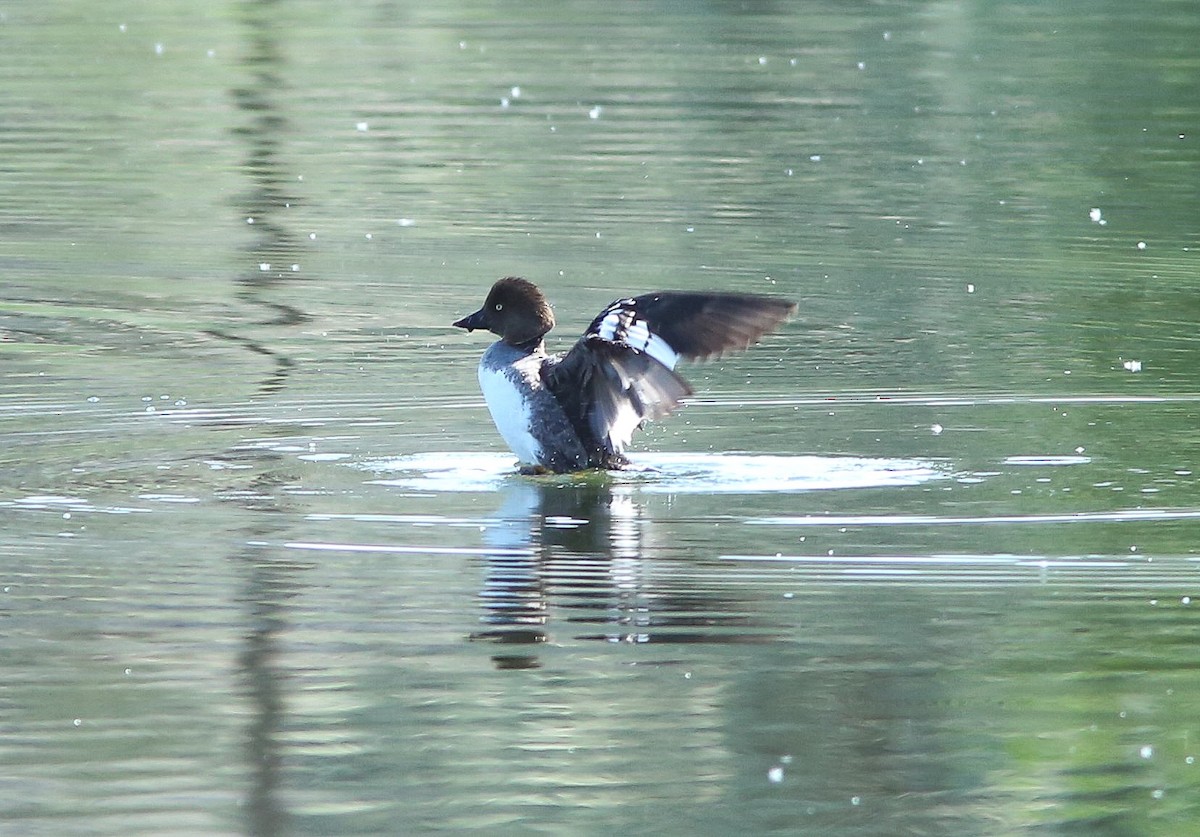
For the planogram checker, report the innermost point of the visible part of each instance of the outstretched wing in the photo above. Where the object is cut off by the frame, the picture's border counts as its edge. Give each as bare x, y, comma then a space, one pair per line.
697, 326
621, 372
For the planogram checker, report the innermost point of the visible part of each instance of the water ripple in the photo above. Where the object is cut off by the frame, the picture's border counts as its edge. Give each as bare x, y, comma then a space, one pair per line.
1115, 516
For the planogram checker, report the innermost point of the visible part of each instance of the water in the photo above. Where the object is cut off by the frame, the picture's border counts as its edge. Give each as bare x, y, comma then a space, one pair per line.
924, 561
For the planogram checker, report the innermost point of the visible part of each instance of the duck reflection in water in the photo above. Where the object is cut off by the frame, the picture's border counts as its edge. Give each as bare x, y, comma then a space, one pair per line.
586, 548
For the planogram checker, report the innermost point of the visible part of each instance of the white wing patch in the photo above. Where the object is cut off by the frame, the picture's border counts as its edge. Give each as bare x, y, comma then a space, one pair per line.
621, 324
626, 421
612, 318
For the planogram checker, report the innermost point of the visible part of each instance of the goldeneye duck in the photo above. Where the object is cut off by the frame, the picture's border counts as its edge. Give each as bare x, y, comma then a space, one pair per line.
578, 410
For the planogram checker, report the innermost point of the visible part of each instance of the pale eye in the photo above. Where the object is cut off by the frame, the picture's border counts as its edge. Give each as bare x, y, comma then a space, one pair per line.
499, 306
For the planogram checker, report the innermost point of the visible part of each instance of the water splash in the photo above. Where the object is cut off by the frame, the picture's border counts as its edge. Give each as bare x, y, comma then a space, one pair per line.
668, 473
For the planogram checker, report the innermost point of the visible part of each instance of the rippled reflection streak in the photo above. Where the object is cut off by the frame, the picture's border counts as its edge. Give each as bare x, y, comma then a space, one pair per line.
274, 256
588, 550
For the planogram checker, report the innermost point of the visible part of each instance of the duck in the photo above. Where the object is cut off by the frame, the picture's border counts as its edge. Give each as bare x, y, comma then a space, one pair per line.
578, 410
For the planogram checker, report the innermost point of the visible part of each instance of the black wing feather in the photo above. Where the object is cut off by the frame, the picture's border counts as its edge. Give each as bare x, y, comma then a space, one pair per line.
700, 326
607, 390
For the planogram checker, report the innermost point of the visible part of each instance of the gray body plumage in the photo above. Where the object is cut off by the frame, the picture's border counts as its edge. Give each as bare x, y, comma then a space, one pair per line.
526, 413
